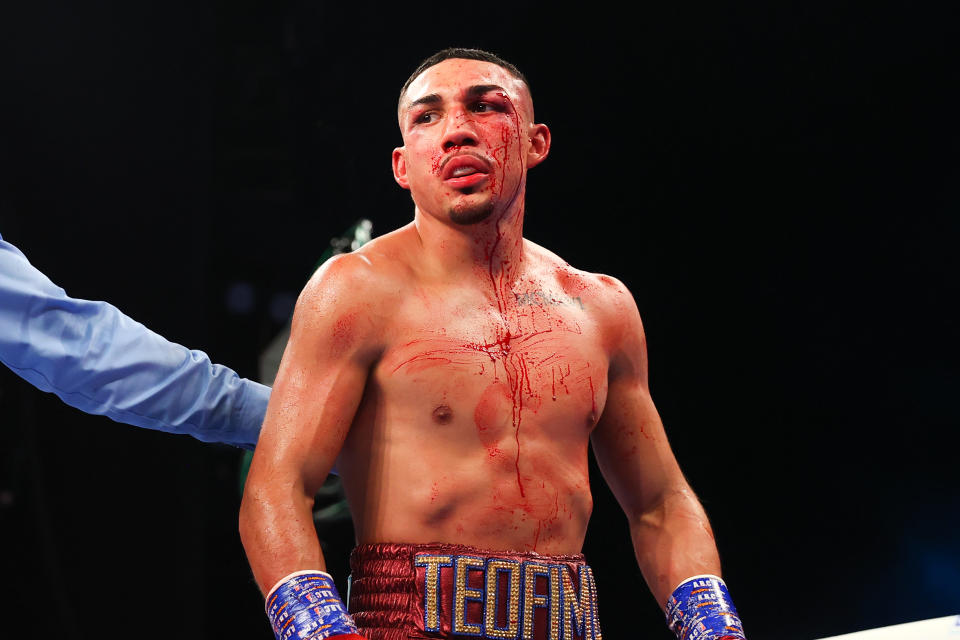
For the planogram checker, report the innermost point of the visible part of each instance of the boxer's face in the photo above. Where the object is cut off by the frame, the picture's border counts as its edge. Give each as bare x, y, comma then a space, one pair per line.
469, 139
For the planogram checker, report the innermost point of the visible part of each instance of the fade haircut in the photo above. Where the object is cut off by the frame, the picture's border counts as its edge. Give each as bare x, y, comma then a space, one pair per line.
465, 54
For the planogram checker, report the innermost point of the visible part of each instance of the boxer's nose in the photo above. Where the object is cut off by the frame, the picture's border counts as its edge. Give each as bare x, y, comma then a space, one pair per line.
460, 130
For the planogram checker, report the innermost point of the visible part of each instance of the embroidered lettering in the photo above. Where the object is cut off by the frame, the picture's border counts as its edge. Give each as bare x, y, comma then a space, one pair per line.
431, 606
463, 593
511, 569
531, 599
576, 607
554, 585
586, 573
509, 592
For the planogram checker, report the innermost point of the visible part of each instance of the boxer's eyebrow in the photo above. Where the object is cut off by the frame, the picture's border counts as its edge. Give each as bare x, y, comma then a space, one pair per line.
432, 98
480, 89
472, 91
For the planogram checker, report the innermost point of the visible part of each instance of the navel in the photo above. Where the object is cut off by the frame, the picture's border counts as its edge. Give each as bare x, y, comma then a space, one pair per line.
443, 414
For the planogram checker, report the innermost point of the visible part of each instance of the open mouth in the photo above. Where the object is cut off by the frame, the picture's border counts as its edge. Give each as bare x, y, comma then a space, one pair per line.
464, 171
466, 181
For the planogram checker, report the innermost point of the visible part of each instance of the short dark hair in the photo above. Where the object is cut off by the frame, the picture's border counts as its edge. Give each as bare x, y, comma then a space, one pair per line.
466, 54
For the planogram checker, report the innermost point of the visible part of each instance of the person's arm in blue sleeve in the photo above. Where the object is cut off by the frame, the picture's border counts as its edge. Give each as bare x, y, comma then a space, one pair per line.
100, 361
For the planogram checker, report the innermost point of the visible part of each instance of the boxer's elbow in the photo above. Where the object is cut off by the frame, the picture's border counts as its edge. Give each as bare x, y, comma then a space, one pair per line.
269, 506
673, 540
251, 516
259, 509
677, 502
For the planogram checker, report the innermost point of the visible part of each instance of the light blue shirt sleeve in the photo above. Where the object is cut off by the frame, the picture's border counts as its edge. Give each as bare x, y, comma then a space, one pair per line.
95, 358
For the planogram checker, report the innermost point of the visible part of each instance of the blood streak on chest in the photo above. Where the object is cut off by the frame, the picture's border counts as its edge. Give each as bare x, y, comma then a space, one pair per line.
500, 350
517, 375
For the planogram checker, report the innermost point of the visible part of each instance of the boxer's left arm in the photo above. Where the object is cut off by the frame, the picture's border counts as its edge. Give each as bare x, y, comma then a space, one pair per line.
671, 535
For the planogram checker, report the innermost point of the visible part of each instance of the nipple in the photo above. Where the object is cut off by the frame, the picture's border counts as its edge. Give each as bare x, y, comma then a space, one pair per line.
442, 414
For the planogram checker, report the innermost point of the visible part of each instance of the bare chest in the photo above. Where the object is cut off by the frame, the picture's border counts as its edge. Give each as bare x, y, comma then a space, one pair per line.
530, 360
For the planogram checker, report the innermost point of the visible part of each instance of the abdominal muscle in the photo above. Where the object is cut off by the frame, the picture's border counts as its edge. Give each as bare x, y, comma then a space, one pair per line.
449, 488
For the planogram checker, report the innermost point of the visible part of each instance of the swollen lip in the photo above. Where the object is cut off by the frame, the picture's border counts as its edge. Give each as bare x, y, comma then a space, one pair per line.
464, 182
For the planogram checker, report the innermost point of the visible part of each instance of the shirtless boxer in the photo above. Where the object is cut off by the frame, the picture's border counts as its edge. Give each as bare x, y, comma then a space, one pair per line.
456, 373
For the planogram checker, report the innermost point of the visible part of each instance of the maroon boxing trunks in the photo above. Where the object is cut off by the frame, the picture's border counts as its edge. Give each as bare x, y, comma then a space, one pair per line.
435, 590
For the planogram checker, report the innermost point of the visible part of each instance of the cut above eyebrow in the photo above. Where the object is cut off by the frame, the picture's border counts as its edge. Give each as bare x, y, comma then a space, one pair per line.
480, 89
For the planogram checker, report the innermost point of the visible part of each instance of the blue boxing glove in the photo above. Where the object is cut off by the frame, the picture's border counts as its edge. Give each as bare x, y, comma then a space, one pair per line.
306, 604
701, 609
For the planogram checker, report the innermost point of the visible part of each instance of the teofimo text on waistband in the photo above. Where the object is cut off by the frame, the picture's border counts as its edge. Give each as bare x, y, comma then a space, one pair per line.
506, 599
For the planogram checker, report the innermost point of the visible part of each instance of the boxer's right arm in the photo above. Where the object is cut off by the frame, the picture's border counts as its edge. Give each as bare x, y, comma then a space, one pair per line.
332, 345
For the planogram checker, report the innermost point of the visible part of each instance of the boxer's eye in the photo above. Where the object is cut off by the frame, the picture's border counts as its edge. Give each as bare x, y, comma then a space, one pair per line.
481, 107
425, 117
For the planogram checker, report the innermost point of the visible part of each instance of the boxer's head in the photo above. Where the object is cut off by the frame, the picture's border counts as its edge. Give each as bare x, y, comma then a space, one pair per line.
466, 117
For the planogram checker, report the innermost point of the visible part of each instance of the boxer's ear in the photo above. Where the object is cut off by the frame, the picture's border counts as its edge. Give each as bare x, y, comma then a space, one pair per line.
539, 144
400, 168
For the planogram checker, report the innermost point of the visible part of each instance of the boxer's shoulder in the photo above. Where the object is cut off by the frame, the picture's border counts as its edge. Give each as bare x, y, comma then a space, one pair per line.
610, 305
569, 276
349, 300
607, 298
365, 276
619, 321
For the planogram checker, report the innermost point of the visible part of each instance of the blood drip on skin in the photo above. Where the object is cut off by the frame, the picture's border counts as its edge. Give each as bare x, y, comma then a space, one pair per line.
514, 366
544, 524
518, 381
438, 161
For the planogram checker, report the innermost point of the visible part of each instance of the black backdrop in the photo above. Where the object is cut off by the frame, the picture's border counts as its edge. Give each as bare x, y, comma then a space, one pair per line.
777, 183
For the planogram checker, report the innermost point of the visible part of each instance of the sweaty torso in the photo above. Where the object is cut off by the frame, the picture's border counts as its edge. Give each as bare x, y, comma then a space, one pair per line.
475, 419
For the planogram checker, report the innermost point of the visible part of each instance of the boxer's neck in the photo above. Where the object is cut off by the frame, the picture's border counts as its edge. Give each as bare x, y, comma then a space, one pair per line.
493, 247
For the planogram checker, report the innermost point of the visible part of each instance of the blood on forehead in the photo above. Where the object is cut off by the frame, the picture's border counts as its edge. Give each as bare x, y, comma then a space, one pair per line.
454, 75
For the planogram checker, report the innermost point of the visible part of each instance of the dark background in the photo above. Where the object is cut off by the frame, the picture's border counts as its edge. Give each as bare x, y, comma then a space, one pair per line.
777, 182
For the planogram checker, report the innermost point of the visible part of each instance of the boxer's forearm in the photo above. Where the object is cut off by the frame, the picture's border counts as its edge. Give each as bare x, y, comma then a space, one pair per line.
277, 531
672, 540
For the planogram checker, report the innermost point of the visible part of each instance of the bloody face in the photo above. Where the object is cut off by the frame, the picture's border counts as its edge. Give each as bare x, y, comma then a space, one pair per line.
466, 128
